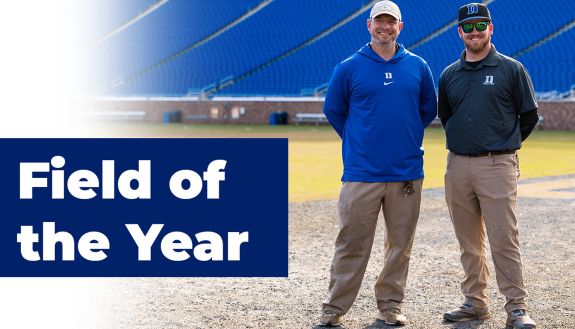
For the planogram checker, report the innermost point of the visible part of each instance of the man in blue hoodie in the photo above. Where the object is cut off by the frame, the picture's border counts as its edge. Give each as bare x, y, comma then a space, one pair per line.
379, 101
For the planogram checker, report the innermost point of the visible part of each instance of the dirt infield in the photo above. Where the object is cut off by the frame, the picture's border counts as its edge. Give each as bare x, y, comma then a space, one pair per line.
547, 241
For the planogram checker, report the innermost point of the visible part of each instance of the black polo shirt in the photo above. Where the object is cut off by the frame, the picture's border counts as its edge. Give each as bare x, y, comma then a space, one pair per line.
480, 106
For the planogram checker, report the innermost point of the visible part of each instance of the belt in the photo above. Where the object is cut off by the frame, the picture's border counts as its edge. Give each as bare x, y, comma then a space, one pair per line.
486, 154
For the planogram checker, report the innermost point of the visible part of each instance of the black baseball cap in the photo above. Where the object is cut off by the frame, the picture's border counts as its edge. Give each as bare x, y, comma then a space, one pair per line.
473, 11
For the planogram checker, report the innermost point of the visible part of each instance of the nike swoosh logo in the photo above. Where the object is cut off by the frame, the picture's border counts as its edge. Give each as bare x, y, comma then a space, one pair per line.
387, 83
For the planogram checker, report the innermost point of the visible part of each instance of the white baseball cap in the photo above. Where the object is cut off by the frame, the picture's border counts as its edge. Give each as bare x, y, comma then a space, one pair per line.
385, 7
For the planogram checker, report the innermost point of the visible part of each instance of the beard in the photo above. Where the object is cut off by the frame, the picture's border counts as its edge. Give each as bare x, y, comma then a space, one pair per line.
384, 40
478, 46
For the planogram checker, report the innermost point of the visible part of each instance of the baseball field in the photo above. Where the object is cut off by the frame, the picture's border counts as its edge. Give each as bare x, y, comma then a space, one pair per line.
545, 218
315, 156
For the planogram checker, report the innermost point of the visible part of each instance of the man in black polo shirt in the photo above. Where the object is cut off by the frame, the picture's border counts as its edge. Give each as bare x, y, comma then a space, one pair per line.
487, 107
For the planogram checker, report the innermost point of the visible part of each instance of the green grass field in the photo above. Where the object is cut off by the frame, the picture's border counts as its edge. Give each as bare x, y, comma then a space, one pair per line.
315, 156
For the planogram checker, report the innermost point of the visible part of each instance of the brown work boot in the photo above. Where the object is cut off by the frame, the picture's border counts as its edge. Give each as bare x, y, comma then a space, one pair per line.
467, 312
519, 319
392, 316
329, 319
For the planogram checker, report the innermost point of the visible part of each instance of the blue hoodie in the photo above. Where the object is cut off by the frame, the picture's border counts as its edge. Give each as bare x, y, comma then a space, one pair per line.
379, 109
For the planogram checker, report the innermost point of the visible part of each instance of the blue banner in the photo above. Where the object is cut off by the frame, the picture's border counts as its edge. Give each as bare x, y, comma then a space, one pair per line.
144, 208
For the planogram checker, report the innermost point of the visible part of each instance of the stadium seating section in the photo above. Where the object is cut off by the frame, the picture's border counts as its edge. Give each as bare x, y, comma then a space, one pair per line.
242, 48
105, 16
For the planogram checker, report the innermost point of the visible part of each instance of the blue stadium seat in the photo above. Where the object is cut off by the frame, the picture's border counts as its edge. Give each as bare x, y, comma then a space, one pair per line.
552, 65
105, 16
172, 28
262, 56
272, 31
517, 25
316, 61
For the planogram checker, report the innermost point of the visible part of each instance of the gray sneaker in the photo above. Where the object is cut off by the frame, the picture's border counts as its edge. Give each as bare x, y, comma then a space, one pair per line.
519, 319
329, 319
467, 312
392, 316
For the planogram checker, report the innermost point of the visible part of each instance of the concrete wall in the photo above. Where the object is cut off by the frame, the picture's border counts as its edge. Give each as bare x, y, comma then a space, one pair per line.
557, 115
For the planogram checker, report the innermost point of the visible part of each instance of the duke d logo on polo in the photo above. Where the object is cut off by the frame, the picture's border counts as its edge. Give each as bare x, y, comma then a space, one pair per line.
488, 80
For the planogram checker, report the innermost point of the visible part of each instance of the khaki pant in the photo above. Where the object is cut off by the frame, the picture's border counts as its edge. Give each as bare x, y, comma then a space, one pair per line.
359, 206
481, 194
